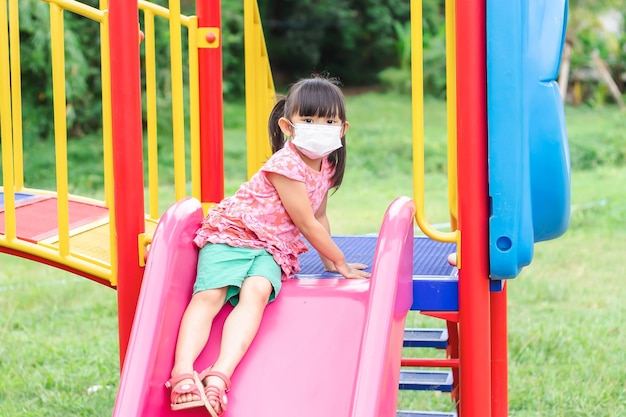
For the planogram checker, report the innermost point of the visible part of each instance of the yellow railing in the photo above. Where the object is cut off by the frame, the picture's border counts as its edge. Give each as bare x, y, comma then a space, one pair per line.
15, 95
260, 95
6, 119
451, 113
417, 65
57, 41
11, 122
12, 143
176, 23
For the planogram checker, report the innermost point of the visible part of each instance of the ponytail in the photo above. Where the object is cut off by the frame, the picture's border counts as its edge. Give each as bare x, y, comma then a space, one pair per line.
277, 138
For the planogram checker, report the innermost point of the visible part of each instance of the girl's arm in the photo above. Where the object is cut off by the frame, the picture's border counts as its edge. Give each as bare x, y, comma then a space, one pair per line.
321, 217
296, 202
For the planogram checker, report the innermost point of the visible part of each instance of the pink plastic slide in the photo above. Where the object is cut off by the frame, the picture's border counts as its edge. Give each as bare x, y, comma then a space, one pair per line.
326, 347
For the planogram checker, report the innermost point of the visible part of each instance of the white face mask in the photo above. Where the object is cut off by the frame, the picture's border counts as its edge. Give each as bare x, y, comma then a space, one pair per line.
316, 141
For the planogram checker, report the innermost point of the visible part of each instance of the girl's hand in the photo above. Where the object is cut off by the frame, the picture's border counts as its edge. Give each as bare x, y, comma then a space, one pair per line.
351, 271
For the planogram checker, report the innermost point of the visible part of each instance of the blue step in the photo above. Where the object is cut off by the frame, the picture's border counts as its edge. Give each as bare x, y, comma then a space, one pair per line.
409, 413
426, 380
435, 293
426, 338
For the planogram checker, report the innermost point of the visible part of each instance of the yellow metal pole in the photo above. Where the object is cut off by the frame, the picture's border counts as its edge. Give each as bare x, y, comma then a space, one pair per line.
151, 111
417, 111
194, 107
79, 8
178, 116
16, 95
60, 124
259, 88
451, 112
107, 136
6, 129
250, 78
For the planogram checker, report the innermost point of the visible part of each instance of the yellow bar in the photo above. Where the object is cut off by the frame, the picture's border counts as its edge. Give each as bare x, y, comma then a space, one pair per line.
60, 125
79, 8
16, 95
417, 65
178, 115
194, 108
250, 80
8, 180
151, 114
259, 88
107, 135
451, 110
143, 241
161, 11
50, 253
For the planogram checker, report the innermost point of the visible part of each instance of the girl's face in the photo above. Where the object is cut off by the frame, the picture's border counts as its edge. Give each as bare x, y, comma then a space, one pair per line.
288, 129
315, 137
334, 121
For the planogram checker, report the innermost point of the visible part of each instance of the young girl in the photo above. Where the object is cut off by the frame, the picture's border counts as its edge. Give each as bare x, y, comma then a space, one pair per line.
250, 242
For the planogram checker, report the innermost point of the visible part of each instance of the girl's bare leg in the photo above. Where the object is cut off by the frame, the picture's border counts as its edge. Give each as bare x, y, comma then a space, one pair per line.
240, 328
194, 333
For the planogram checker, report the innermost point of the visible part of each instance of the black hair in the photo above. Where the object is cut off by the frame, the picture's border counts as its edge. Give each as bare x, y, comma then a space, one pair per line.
316, 96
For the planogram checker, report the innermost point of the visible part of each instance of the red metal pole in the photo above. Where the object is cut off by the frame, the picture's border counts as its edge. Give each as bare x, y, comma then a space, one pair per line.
127, 159
474, 325
211, 107
499, 352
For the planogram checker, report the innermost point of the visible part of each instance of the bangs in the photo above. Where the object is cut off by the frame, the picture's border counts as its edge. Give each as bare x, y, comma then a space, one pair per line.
318, 97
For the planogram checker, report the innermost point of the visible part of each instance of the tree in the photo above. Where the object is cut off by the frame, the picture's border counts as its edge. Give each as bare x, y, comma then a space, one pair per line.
587, 35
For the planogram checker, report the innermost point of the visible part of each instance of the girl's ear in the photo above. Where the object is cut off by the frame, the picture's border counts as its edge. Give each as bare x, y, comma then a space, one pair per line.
285, 126
346, 125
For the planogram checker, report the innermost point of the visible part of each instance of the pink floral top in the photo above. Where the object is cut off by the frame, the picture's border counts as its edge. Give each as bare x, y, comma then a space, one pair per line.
255, 216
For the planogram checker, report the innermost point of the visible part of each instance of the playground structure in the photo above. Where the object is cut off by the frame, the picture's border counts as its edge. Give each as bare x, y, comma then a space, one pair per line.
507, 143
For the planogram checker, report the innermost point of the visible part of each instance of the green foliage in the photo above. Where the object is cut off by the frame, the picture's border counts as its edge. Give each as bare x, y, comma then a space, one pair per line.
82, 69
232, 47
403, 45
397, 78
352, 39
588, 35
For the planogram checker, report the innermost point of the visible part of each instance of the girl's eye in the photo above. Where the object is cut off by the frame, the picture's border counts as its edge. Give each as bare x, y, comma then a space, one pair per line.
309, 121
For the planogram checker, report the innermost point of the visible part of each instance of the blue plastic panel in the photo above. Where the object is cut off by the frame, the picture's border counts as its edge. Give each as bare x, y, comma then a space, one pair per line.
432, 293
529, 175
429, 256
435, 282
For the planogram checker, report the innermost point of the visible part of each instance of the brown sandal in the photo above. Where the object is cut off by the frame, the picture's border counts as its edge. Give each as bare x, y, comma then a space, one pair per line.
214, 393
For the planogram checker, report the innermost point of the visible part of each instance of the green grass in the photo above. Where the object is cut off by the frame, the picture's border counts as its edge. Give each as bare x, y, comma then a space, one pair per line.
566, 350
58, 355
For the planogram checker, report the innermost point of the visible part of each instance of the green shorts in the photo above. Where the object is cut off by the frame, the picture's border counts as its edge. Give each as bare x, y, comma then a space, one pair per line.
221, 265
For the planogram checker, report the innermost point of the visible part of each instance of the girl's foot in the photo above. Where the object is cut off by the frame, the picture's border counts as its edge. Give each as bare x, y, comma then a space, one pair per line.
452, 259
186, 392
216, 385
